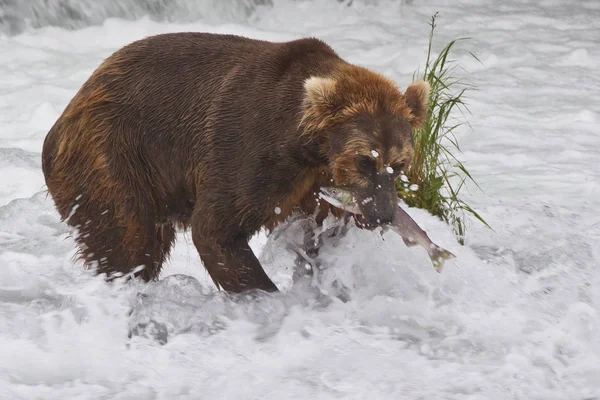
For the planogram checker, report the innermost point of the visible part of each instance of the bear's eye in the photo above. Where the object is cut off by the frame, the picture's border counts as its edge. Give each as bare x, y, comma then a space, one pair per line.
398, 167
365, 164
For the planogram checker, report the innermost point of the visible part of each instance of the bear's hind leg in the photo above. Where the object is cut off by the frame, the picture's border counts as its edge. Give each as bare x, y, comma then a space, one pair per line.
118, 248
158, 251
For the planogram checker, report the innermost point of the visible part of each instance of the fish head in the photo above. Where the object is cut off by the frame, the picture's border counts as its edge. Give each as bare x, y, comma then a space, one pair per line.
368, 211
341, 197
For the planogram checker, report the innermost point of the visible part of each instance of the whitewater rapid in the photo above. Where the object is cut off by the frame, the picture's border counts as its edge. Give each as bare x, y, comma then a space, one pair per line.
515, 316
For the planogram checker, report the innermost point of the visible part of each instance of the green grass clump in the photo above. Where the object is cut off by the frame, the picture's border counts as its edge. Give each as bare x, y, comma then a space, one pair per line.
434, 166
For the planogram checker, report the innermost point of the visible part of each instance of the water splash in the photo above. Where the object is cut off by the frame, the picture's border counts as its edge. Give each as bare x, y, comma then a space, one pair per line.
17, 16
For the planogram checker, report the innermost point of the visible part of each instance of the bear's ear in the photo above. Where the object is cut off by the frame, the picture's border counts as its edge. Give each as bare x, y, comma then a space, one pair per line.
319, 91
417, 99
319, 103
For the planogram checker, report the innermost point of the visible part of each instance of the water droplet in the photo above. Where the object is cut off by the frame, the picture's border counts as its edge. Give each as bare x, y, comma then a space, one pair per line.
390, 170
374, 153
404, 178
414, 187
277, 210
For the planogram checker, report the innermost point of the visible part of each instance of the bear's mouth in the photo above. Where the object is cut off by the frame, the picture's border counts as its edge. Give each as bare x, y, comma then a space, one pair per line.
361, 222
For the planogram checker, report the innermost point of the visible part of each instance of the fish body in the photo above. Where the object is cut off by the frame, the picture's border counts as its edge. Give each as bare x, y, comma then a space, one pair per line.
402, 224
413, 235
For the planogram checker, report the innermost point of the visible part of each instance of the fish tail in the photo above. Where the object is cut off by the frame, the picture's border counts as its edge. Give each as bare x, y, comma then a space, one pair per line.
439, 256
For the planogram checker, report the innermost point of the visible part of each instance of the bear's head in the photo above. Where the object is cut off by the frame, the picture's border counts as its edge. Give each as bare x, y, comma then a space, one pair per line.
363, 126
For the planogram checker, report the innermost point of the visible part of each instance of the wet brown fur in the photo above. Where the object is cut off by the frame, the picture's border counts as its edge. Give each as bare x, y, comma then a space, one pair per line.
214, 132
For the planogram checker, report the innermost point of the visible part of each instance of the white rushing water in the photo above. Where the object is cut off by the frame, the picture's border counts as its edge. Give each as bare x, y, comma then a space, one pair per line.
515, 316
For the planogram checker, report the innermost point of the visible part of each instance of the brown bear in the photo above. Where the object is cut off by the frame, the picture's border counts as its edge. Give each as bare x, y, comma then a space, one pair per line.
225, 135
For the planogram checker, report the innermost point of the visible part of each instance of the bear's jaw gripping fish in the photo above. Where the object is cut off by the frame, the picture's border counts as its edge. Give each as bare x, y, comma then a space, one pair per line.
402, 224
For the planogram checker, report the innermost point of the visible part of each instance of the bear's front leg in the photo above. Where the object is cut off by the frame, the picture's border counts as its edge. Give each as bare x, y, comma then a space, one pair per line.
313, 241
308, 267
233, 266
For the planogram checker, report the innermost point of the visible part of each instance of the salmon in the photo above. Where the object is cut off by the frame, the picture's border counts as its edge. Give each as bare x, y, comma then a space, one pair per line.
402, 224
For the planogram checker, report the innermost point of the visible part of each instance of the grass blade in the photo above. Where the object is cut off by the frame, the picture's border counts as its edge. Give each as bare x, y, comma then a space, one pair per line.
434, 165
